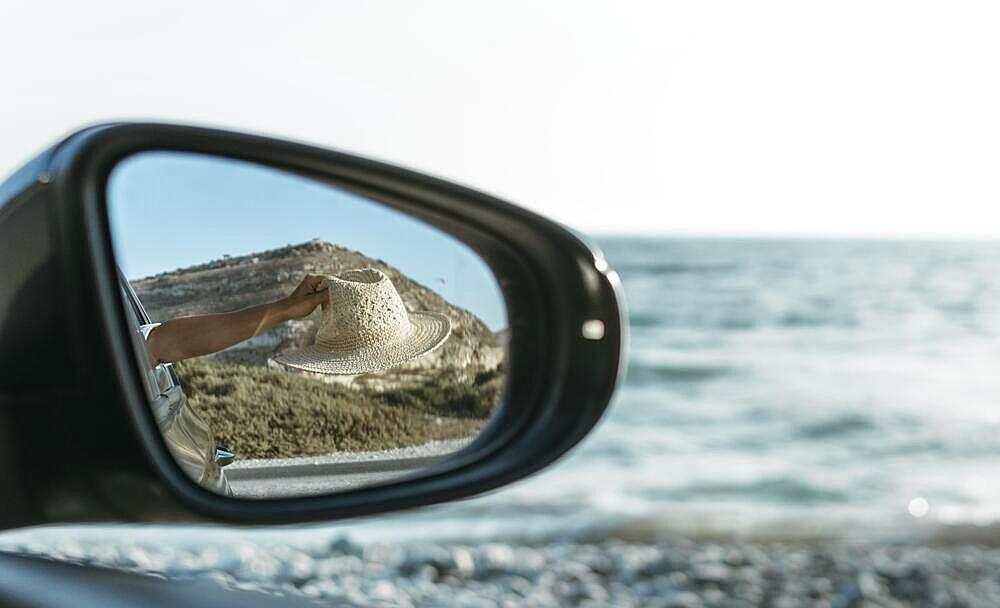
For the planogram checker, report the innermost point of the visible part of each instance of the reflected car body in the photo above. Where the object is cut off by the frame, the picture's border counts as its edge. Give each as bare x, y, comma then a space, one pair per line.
186, 433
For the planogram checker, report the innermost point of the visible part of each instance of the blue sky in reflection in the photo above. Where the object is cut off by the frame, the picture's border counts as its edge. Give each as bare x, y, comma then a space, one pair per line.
171, 210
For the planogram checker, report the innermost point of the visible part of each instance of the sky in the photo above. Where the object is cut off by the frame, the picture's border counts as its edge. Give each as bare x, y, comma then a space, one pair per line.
171, 210
854, 118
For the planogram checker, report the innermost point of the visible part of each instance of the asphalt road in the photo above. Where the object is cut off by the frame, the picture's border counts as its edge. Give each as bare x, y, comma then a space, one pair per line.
285, 479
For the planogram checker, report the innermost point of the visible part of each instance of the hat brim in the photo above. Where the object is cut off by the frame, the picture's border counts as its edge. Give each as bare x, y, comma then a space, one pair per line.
430, 330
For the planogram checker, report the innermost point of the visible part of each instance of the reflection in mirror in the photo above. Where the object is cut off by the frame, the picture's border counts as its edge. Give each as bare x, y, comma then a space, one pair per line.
300, 339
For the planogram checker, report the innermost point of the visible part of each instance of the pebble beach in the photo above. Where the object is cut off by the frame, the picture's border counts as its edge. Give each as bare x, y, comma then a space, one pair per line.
613, 573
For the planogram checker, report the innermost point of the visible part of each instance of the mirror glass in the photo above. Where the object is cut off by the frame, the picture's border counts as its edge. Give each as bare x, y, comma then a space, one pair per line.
300, 339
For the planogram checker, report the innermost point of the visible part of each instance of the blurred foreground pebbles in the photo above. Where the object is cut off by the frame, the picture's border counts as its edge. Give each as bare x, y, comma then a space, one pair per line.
614, 573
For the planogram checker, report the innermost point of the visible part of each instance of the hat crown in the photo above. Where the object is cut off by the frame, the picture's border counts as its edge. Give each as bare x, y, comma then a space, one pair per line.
364, 309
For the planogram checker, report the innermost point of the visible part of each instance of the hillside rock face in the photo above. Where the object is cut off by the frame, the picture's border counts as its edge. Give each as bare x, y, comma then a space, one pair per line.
237, 282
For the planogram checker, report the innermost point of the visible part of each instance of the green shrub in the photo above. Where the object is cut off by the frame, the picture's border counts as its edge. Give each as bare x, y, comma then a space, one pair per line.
263, 413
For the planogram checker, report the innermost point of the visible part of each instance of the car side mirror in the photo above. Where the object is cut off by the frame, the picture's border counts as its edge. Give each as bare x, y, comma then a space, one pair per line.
435, 316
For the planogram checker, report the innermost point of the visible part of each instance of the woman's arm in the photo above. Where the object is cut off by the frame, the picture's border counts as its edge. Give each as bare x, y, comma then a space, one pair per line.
186, 337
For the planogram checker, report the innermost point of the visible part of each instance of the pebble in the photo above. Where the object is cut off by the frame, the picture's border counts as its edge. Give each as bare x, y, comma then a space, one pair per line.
679, 574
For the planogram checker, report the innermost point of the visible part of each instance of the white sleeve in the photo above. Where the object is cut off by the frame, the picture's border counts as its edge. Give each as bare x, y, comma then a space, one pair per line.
145, 329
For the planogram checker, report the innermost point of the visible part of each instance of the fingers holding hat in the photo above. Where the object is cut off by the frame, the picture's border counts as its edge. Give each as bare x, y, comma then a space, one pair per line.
310, 293
313, 283
320, 289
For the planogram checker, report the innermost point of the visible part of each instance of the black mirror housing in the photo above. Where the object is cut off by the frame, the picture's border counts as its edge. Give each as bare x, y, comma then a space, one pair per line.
77, 439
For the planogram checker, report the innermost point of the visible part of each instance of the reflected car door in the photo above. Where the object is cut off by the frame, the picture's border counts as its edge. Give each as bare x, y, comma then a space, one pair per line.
187, 434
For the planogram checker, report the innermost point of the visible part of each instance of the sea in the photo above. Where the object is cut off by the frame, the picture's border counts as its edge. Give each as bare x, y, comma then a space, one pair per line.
775, 388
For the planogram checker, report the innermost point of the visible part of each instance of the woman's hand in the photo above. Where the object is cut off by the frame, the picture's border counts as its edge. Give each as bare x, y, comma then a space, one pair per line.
310, 293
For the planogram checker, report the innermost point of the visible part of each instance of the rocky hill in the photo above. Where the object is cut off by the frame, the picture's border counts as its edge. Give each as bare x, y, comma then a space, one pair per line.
236, 282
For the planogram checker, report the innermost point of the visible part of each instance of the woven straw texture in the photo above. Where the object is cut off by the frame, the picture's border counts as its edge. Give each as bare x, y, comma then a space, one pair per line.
366, 328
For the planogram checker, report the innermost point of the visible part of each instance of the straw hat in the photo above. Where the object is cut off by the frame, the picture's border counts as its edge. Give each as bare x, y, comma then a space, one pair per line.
366, 328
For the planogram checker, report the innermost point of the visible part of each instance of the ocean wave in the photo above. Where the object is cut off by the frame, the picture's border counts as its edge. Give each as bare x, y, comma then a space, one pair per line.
667, 268
813, 319
835, 426
652, 373
777, 490
736, 320
970, 445
643, 320
735, 323
666, 320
